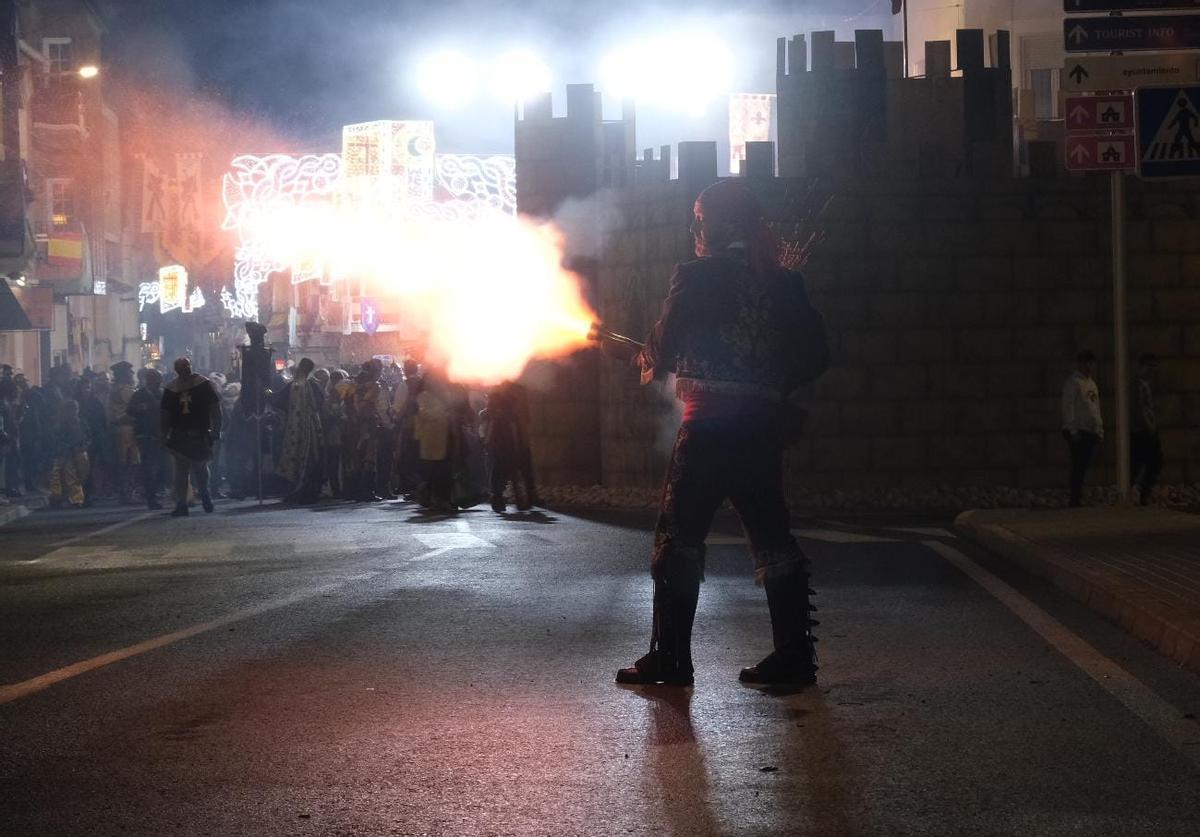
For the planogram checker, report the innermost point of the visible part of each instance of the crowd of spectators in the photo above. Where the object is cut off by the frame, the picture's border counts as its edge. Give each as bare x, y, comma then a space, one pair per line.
374, 432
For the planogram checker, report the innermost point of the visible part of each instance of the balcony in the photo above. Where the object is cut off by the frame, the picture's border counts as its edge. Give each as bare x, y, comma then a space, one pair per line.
58, 106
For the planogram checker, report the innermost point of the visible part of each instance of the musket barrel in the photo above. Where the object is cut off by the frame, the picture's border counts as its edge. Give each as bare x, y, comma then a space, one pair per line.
598, 333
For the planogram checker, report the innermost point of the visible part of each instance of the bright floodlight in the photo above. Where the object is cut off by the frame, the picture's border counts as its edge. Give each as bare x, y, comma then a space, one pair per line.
684, 72
89, 71
449, 79
520, 75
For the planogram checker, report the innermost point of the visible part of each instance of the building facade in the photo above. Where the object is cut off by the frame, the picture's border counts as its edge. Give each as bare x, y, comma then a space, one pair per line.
1037, 42
78, 279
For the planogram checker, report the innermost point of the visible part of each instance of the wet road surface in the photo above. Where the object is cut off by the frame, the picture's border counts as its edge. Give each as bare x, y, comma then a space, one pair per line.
366, 670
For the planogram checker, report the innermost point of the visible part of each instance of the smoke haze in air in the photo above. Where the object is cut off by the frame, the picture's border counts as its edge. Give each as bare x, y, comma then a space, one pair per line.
307, 67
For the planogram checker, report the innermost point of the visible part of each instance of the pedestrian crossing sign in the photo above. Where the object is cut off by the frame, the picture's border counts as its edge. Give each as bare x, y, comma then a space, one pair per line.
1168, 131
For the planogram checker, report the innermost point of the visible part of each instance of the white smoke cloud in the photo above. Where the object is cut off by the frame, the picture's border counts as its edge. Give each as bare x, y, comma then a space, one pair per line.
587, 223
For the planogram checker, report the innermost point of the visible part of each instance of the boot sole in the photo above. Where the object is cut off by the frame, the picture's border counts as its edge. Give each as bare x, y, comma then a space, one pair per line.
645, 680
785, 683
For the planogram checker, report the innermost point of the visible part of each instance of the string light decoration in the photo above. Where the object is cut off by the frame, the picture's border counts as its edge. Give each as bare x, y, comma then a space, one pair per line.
148, 294
484, 184
315, 214
262, 196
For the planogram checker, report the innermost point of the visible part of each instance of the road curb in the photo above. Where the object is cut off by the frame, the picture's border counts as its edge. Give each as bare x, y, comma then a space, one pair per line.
1136, 609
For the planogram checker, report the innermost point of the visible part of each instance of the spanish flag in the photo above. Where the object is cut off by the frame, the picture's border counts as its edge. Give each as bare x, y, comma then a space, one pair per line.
65, 249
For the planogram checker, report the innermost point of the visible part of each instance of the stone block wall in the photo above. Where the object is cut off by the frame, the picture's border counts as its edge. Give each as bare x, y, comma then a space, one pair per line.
954, 308
572, 156
636, 422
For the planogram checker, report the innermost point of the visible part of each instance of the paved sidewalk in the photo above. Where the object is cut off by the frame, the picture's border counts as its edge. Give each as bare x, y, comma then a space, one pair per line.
1139, 567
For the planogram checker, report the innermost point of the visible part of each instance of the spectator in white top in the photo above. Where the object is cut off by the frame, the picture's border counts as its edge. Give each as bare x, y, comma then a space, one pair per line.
1083, 427
1145, 447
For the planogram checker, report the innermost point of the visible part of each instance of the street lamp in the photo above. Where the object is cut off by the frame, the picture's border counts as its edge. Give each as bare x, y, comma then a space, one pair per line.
683, 71
89, 71
448, 79
519, 75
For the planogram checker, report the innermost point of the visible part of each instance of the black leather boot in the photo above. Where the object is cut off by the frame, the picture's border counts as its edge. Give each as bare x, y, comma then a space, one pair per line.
670, 659
793, 663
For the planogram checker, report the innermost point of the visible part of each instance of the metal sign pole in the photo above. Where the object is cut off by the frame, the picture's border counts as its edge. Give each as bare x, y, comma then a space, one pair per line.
1120, 332
258, 453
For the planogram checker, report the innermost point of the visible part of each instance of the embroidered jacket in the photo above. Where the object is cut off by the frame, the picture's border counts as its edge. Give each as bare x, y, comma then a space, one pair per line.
725, 331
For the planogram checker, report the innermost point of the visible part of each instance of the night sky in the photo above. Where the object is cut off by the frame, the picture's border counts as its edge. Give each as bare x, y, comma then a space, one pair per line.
307, 67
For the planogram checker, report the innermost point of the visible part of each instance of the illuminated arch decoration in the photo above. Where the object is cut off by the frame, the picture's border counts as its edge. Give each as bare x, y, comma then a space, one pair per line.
479, 184
148, 294
261, 195
387, 171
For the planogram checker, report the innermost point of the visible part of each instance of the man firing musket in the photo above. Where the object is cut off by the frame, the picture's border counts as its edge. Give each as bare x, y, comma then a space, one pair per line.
740, 335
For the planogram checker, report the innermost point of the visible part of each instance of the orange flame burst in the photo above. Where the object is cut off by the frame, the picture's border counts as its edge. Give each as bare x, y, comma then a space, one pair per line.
489, 293
492, 294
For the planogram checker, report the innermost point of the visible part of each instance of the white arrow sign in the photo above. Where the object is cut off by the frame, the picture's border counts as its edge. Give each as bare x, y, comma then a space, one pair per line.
1079, 114
1078, 34
1080, 155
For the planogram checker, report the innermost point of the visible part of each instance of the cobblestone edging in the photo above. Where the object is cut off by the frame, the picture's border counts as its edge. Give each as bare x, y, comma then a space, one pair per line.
915, 500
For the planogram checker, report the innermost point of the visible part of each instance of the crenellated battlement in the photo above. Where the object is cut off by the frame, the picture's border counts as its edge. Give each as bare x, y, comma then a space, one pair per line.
846, 108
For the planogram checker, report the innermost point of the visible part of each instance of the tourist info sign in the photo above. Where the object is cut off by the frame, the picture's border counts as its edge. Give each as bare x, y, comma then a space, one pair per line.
1100, 113
1127, 72
1078, 6
1168, 131
1132, 33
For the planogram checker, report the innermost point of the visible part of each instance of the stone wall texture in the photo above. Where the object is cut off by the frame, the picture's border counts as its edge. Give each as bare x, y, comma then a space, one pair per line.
954, 309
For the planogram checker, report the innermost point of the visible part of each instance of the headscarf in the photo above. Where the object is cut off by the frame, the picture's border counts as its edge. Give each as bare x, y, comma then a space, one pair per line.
731, 203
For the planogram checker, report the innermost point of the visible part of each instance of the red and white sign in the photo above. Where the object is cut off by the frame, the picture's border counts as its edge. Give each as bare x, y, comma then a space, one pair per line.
1101, 153
1100, 113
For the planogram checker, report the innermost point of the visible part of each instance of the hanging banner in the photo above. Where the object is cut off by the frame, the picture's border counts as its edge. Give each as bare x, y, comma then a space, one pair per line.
750, 119
154, 198
187, 175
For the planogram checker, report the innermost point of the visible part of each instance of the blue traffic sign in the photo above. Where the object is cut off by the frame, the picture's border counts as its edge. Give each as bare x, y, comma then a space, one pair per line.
370, 315
1133, 33
1078, 6
1168, 131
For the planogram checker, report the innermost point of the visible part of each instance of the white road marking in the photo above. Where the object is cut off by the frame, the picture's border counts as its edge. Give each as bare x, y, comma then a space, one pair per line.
81, 555
826, 535
453, 540
931, 531
839, 536
1181, 733
16, 691
111, 528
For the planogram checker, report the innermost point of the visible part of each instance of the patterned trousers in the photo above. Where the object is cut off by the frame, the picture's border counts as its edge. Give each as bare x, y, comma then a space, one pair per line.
738, 459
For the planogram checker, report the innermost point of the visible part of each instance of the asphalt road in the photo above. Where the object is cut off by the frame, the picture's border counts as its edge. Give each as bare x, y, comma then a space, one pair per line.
364, 670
